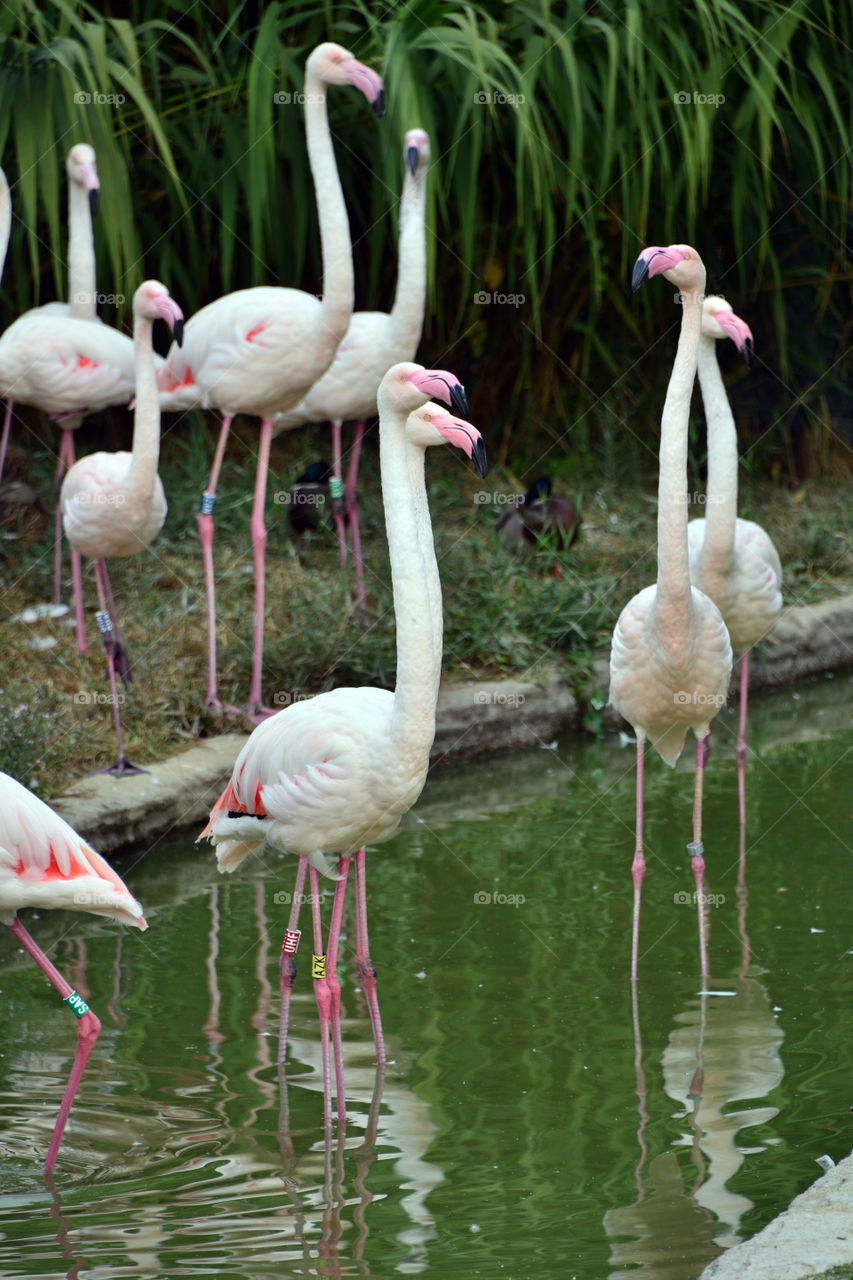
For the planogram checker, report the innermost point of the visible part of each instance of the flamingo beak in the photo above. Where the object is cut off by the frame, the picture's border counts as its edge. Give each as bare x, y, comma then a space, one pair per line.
173, 315
412, 159
652, 262
443, 386
368, 82
739, 332
94, 197
465, 436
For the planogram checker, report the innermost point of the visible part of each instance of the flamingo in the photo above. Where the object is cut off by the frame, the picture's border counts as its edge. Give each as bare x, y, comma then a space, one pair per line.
374, 341
337, 772
113, 504
44, 863
258, 351
733, 561
83, 190
671, 657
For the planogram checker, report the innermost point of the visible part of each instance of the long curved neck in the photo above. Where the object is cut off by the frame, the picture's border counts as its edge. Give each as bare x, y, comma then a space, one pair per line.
721, 503
81, 255
413, 719
5, 220
673, 581
338, 286
407, 313
146, 416
426, 542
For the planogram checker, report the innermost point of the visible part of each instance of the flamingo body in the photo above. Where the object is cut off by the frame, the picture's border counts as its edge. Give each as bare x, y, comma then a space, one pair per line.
747, 591
63, 365
99, 516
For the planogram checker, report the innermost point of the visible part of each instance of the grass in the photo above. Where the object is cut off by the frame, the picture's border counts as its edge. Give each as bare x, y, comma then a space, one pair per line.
502, 616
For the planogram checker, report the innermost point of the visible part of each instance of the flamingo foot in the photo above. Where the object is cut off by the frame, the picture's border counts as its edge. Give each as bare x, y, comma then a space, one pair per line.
122, 768
257, 714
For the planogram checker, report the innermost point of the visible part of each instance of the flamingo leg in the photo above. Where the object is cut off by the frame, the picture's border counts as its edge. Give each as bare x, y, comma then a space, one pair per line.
740, 751
363, 964
122, 765
122, 658
351, 498
77, 592
205, 533
337, 491
321, 993
638, 866
334, 983
4, 439
696, 849
67, 457
259, 547
88, 1030
287, 962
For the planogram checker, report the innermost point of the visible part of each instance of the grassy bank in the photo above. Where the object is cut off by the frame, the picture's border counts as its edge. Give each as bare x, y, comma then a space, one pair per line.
501, 616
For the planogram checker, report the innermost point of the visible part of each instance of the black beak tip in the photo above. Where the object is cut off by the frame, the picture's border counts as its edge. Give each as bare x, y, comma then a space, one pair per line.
94, 197
412, 159
639, 274
481, 461
379, 103
459, 401
748, 348
179, 332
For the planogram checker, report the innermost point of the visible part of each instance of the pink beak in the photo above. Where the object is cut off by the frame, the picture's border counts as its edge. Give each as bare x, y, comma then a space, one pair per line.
367, 81
465, 436
438, 384
652, 262
172, 314
738, 330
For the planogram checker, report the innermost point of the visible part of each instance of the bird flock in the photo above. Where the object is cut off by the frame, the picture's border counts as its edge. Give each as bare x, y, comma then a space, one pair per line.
323, 779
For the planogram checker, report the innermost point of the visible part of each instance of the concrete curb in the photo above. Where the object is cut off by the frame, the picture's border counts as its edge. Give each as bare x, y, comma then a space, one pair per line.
813, 1235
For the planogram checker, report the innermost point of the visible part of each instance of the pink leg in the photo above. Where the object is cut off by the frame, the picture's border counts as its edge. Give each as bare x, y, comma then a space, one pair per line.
287, 963
335, 985
205, 533
696, 849
352, 516
66, 459
77, 592
122, 765
741, 737
363, 964
88, 1030
336, 491
321, 993
259, 546
638, 866
122, 658
4, 439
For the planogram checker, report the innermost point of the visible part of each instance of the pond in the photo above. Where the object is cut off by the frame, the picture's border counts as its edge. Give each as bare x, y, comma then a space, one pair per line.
532, 1121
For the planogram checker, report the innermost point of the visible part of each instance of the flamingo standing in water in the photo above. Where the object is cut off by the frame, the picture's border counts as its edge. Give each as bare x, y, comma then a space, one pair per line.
733, 561
45, 864
337, 772
259, 351
671, 657
374, 341
113, 504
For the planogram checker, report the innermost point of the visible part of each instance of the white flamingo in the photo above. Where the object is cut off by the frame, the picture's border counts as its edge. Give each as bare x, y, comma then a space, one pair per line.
337, 772
733, 561
671, 657
113, 504
259, 351
374, 341
45, 864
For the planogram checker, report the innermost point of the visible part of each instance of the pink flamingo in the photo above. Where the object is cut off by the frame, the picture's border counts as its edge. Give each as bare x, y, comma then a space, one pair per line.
45, 864
113, 504
733, 561
337, 772
258, 351
671, 658
374, 341
83, 190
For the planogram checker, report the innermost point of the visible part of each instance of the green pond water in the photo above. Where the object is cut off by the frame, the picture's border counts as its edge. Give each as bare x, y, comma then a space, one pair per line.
530, 1122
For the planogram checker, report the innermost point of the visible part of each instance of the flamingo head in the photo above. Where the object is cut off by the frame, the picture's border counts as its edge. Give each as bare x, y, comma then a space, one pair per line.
719, 321
80, 167
152, 302
680, 263
430, 424
416, 150
333, 64
407, 386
